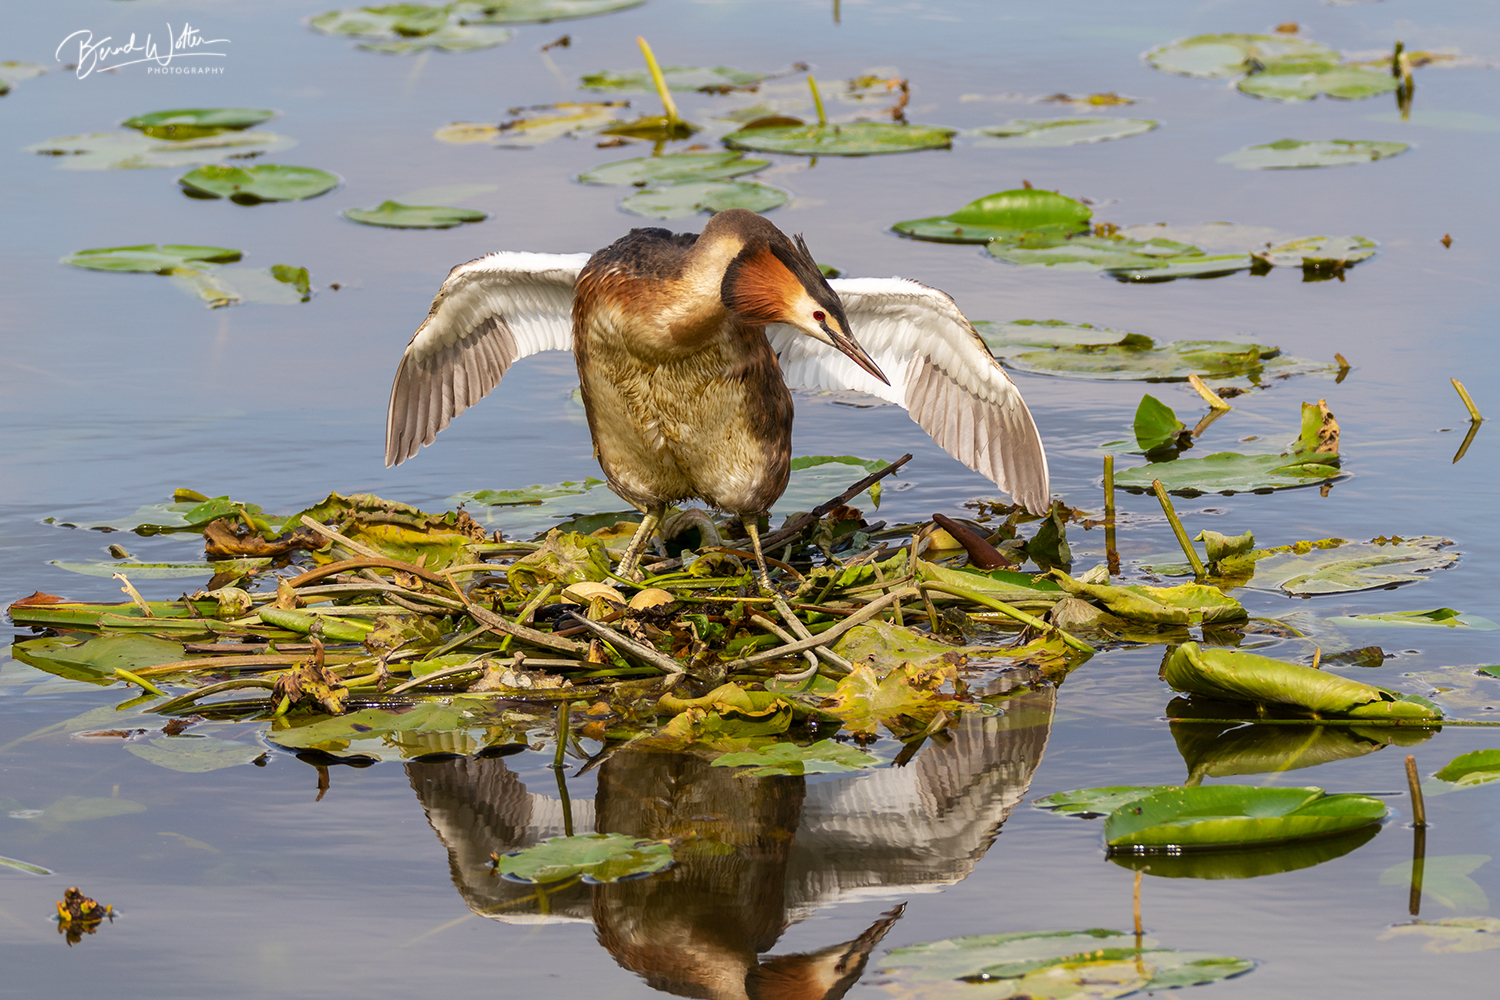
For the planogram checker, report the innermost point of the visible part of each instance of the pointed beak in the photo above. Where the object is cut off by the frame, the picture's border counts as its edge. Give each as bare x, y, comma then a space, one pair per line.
854, 352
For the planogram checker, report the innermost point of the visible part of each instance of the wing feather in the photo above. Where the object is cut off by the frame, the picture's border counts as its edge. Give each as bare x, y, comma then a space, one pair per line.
490, 313
941, 372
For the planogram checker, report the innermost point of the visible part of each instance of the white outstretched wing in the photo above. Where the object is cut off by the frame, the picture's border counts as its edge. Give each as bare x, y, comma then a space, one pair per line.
940, 370
489, 313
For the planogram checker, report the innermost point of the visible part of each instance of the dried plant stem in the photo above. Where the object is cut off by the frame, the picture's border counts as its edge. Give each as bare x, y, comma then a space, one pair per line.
669, 106
1463, 394
1418, 806
1016, 613
1209, 396
1199, 572
859, 617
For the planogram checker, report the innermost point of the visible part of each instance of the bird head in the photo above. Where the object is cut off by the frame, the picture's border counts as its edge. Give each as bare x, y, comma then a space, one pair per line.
774, 279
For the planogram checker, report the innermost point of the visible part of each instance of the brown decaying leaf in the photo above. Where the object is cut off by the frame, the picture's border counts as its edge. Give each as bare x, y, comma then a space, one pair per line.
1328, 434
228, 537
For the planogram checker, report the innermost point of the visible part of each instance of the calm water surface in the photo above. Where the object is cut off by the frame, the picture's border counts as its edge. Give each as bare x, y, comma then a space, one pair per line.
115, 390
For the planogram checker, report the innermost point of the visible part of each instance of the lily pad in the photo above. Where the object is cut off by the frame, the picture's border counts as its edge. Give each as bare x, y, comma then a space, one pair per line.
1079, 350
1214, 750
822, 757
681, 201
529, 494
1230, 472
252, 185
1445, 880
908, 698
535, 125
849, 139
597, 857
279, 284
195, 754
1189, 603
538, 11
378, 734
1453, 935
78, 809
1091, 253
393, 215
1436, 618
194, 123
13, 72
1229, 675
674, 168
150, 258
1030, 133
1211, 816
134, 150
718, 80
95, 660
1319, 252
1251, 861
404, 28
1079, 965
1086, 803
1293, 81
1479, 767
1336, 566
1293, 154
1232, 55
162, 571
1004, 213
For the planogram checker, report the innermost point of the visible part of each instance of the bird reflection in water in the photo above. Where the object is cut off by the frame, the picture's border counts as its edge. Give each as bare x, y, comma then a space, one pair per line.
754, 854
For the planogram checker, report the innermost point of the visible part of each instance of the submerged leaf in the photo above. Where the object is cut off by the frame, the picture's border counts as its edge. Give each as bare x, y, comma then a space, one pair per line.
1224, 815
538, 11
1025, 133
719, 79
674, 168
149, 258
1445, 879
1004, 213
1231, 54
262, 182
1291, 81
534, 125
135, 150
1452, 935
95, 660
598, 857
1292, 154
195, 754
1087, 803
1336, 566
404, 28
1230, 675
1438, 617
849, 139
681, 201
1319, 252
822, 757
194, 123
908, 698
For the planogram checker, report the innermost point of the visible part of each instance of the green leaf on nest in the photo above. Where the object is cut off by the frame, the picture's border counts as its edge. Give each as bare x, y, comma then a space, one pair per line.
674, 168
681, 201
597, 857
849, 139
1004, 213
252, 185
1229, 675
1028, 133
1210, 816
394, 215
1293, 154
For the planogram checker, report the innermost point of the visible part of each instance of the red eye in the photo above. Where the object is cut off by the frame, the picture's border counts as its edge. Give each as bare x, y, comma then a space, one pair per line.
818, 315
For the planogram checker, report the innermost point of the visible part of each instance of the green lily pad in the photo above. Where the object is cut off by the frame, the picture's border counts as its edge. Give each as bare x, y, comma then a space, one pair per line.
1293, 81
1293, 154
252, 185
822, 757
1230, 472
1232, 55
95, 660
1079, 350
1336, 566
195, 754
815, 478
162, 571
674, 168
1078, 965
1188, 603
1319, 252
597, 857
1155, 425
718, 80
1452, 935
528, 495
849, 139
1229, 675
1186, 266
374, 733
1087, 803
279, 284
1029, 133
13, 72
150, 258
1211, 816
194, 123
681, 201
1087, 253
404, 28
1004, 213
394, 215
135, 150
1436, 618
538, 11
1479, 767
1445, 880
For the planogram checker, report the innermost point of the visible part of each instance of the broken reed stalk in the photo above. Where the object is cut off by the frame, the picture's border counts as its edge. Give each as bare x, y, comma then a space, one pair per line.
1209, 396
1016, 613
138, 681
194, 695
1111, 554
347, 542
795, 527
245, 660
817, 101
1418, 806
1199, 573
669, 106
1137, 907
859, 617
349, 565
135, 595
828, 656
563, 710
785, 636
1474, 414
627, 645
495, 623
